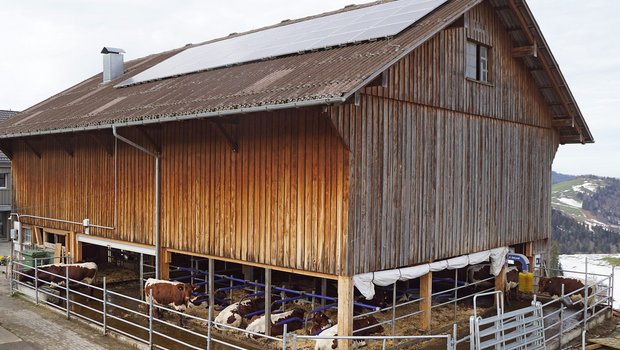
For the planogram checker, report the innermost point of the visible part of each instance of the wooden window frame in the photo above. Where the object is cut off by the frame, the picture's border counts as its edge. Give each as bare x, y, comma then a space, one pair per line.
482, 72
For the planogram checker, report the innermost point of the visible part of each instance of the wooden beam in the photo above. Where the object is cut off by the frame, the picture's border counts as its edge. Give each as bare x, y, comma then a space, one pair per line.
529, 253
65, 145
5, 148
426, 294
556, 123
78, 254
500, 280
524, 51
165, 258
32, 148
149, 139
108, 146
231, 141
345, 311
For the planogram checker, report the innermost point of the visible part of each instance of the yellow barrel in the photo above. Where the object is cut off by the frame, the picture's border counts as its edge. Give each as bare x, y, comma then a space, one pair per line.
526, 282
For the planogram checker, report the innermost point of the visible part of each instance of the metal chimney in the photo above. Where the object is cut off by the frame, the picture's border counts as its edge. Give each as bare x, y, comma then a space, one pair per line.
113, 65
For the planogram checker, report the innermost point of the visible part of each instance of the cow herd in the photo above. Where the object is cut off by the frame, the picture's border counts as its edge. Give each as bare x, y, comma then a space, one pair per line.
248, 312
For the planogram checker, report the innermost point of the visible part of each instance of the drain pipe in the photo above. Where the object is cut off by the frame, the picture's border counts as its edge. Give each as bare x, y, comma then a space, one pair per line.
155, 155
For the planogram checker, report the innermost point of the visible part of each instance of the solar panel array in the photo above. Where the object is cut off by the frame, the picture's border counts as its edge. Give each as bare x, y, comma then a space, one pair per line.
363, 24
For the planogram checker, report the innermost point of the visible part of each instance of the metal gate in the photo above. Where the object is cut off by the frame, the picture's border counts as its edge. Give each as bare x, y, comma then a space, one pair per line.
521, 329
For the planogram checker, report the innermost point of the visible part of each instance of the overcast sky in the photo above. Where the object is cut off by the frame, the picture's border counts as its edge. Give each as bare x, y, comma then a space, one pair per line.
49, 46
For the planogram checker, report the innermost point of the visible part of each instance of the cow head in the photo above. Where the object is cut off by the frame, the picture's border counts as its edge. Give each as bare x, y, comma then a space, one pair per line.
368, 321
543, 284
320, 321
186, 290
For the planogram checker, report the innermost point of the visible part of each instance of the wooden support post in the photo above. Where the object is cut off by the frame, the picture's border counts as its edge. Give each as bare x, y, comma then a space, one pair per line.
57, 253
164, 264
267, 302
77, 254
500, 280
529, 253
345, 310
426, 294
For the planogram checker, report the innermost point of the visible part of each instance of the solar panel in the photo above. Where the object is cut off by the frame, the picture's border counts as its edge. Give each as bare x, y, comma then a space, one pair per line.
363, 24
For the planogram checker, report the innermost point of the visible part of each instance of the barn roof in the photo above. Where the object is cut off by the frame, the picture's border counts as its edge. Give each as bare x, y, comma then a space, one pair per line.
318, 77
4, 114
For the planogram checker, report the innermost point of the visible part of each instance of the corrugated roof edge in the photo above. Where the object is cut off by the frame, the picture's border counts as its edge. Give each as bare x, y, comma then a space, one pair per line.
171, 118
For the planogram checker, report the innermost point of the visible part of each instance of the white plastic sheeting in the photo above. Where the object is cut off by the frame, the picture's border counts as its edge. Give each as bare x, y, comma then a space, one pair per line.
365, 282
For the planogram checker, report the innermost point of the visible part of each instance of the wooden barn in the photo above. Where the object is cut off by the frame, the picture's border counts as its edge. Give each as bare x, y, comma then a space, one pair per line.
403, 133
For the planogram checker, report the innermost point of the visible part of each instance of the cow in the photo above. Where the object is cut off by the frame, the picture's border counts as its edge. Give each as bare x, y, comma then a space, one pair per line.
177, 295
295, 318
234, 313
553, 287
359, 323
381, 299
55, 274
320, 322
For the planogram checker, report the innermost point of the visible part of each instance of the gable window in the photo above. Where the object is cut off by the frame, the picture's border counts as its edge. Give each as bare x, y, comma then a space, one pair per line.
477, 61
3, 181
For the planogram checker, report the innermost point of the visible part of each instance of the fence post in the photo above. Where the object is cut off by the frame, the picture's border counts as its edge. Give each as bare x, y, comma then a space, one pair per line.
105, 309
561, 316
294, 342
36, 281
141, 275
394, 313
151, 319
284, 334
211, 301
611, 292
67, 291
585, 301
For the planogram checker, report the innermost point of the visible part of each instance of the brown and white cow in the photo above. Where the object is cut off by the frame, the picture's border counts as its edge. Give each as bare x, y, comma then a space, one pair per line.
359, 323
234, 314
55, 274
553, 286
320, 322
176, 295
295, 318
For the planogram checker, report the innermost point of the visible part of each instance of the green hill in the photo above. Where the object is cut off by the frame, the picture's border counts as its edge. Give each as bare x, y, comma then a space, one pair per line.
586, 215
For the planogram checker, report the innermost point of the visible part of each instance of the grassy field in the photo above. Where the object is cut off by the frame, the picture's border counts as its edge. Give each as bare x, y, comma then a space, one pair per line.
612, 261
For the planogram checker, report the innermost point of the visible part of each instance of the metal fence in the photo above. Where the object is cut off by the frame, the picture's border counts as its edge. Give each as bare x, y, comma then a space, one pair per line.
116, 312
596, 298
134, 318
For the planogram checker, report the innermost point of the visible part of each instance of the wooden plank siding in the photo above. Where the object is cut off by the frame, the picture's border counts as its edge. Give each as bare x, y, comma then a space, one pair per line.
280, 200
442, 165
277, 201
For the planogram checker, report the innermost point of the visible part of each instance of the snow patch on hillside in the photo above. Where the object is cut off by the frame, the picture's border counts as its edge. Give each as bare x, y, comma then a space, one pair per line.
570, 202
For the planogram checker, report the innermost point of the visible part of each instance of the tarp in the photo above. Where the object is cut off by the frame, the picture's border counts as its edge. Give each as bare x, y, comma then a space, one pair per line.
366, 282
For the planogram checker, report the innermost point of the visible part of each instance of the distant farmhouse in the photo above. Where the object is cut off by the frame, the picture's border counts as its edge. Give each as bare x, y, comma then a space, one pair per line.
5, 186
373, 138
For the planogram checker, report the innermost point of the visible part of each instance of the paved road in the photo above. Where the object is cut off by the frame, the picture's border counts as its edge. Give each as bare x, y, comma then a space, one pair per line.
26, 326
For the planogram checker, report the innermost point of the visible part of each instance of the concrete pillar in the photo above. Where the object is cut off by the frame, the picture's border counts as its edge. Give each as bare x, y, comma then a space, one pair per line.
345, 310
426, 291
